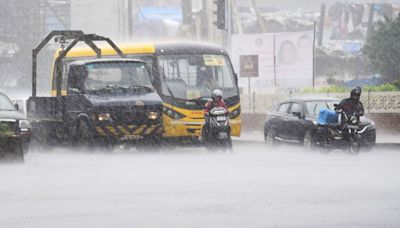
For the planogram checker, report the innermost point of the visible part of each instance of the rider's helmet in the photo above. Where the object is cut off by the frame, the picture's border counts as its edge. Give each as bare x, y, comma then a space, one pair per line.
356, 93
216, 94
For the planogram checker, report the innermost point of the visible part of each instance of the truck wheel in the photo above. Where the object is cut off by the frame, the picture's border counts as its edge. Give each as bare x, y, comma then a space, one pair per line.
19, 153
151, 144
84, 134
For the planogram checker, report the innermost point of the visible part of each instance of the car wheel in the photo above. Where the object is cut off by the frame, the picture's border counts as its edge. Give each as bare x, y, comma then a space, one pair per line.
308, 141
269, 138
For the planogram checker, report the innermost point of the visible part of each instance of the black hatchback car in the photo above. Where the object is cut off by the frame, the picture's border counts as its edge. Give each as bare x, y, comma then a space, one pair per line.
292, 119
15, 129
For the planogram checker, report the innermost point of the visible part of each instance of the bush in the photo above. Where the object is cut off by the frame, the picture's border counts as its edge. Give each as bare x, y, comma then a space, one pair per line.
4, 131
383, 87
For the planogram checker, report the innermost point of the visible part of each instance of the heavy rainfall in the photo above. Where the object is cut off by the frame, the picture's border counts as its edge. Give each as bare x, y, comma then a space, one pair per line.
211, 113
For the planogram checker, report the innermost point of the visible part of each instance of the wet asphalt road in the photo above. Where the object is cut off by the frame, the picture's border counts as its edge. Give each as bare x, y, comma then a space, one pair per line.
255, 186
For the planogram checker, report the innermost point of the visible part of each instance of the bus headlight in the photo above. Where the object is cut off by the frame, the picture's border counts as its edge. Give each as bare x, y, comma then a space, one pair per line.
173, 114
153, 115
104, 117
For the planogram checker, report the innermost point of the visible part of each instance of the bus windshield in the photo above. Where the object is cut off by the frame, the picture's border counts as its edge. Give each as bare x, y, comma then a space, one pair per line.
117, 75
195, 76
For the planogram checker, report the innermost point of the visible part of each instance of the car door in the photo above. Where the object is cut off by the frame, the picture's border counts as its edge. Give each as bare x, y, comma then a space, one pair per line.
296, 122
282, 117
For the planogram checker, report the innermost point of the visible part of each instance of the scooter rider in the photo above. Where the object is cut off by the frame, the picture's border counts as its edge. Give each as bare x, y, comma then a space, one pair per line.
353, 105
216, 101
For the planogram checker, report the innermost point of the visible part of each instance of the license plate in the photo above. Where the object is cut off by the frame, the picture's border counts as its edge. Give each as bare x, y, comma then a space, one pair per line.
223, 135
221, 118
131, 137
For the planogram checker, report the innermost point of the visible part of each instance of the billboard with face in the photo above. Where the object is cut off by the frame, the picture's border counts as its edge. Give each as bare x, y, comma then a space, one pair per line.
285, 60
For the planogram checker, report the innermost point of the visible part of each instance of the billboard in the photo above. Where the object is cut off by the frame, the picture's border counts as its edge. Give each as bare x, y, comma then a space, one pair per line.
285, 60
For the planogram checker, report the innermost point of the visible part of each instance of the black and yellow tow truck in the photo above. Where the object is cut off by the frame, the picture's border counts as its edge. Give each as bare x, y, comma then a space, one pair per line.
97, 101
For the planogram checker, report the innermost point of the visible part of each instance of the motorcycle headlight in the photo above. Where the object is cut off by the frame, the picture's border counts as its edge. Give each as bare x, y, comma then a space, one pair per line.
104, 117
24, 125
354, 120
153, 115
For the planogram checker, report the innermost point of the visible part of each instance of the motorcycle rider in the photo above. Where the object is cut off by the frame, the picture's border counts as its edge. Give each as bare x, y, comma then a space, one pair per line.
216, 101
353, 105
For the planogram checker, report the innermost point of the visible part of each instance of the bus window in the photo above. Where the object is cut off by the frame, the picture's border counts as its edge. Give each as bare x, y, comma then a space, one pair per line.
195, 76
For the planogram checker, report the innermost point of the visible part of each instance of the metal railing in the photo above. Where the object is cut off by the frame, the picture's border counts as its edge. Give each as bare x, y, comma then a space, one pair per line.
374, 102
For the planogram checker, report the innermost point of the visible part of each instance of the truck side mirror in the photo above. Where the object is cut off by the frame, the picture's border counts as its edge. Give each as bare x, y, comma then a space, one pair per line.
16, 106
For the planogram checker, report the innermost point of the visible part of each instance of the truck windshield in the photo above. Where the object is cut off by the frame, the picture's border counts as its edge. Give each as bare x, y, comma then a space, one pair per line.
5, 104
195, 76
117, 76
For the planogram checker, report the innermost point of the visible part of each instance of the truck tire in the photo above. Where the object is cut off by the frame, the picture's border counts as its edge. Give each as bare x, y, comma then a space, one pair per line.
84, 135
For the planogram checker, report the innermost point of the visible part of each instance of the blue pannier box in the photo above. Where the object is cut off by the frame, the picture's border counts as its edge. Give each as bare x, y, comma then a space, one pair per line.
327, 116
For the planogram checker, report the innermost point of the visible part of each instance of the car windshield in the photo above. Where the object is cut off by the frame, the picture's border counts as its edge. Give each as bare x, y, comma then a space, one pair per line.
195, 76
117, 75
313, 107
6, 104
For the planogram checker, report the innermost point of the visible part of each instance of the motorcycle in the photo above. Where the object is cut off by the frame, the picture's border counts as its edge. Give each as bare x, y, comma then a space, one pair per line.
217, 136
345, 134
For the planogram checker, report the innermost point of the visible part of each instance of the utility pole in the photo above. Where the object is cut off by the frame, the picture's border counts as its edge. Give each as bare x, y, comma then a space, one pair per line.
260, 19
321, 25
313, 59
186, 12
210, 24
370, 19
130, 19
235, 17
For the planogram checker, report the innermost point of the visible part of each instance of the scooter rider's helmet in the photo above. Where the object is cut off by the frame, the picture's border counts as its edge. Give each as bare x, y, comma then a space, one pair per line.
216, 94
356, 93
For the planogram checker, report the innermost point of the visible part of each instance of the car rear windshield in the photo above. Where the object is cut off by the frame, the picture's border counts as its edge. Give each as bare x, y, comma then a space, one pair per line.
313, 107
6, 104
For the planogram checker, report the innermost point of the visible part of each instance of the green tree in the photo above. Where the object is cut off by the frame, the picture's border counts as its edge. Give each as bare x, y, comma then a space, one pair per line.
383, 49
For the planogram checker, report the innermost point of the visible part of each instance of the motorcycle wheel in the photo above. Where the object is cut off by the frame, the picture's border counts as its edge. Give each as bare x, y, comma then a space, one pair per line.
354, 147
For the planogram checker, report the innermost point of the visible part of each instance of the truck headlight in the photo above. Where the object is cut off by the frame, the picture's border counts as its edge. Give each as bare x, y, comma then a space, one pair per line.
153, 115
24, 125
104, 117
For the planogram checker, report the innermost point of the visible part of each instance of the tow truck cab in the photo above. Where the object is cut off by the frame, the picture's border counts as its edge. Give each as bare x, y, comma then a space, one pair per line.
97, 101
115, 97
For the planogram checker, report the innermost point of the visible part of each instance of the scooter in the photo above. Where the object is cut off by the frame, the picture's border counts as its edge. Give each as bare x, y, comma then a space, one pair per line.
218, 135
